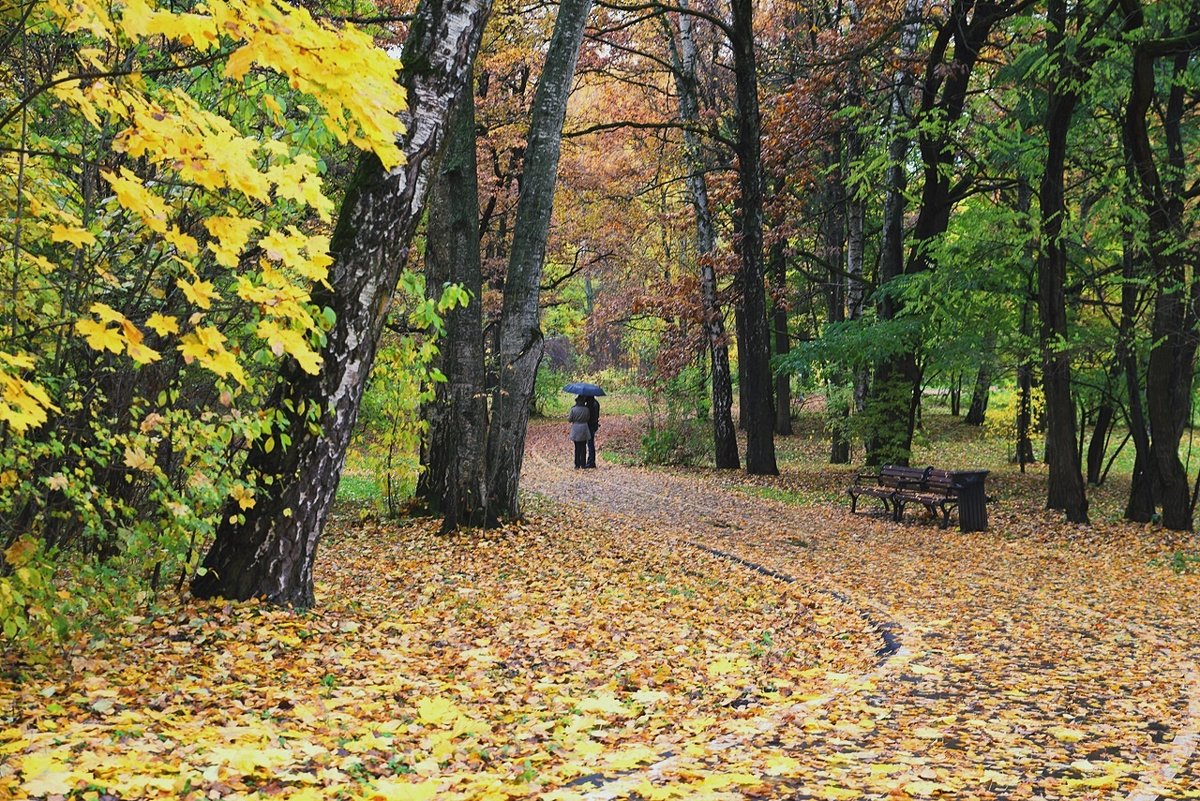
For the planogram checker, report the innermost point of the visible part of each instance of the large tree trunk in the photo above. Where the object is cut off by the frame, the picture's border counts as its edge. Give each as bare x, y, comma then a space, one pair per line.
268, 550
889, 392
520, 329
753, 342
1173, 329
1065, 488
960, 39
684, 60
453, 481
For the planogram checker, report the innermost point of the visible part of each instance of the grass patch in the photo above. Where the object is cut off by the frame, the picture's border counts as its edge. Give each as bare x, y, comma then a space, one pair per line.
777, 494
1180, 562
359, 489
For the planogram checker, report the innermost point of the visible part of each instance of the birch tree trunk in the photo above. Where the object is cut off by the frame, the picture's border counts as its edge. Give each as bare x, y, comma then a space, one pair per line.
268, 551
520, 348
684, 60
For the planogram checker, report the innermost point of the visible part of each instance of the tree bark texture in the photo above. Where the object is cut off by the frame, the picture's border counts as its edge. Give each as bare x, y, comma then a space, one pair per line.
521, 344
955, 49
1065, 488
683, 62
453, 481
779, 329
981, 392
835, 300
753, 344
1173, 328
886, 395
268, 551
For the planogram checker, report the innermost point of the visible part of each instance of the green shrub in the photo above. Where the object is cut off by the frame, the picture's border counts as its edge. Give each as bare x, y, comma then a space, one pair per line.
677, 423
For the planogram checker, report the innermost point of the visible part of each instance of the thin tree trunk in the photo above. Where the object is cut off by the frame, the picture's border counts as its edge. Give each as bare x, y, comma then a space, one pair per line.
834, 234
982, 390
1142, 503
1065, 488
453, 481
1024, 442
520, 329
753, 344
855, 248
684, 61
1098, 444
268, 551
779, 324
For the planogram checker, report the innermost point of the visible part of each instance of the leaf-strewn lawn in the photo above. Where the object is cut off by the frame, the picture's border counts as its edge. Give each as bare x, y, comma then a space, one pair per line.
498, 667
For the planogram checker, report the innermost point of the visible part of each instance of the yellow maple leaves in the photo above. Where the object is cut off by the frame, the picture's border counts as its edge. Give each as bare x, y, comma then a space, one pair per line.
112, 331
180, 142
23, 403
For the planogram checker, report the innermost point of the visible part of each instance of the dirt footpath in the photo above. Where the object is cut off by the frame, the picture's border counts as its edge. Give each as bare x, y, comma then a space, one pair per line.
1030, 666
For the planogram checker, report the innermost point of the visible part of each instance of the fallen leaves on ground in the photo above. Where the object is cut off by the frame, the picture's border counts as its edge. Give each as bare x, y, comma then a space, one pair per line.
542, 660
598, 652
1041, 660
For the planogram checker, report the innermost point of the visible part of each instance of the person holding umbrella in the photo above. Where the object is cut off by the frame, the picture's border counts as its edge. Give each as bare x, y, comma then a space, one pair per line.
588, 393
593, 406
580, 432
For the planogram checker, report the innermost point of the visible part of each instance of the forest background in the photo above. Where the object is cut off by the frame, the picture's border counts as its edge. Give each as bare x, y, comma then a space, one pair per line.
862, 202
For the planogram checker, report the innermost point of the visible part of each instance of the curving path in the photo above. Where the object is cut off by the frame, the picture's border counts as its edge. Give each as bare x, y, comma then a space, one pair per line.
1031, 667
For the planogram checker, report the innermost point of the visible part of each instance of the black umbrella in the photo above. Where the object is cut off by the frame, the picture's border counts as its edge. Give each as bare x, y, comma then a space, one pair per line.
583, 388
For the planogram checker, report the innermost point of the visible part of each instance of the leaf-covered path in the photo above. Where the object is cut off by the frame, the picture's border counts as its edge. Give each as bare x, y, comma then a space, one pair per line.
643, 635
1032, 665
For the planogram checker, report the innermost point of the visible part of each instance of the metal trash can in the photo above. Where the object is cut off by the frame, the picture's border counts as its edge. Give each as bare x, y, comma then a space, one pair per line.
972, 499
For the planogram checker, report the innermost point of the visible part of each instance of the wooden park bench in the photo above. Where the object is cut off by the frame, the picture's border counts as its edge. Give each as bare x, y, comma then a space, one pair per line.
884, 484
939, 491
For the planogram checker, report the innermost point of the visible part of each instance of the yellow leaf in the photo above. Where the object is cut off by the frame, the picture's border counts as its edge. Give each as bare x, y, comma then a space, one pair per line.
76, 236
926, 733
782, 765
230, 235
604, 704
629, 757
1067, 735
924, 787
99, 336
244, 497
140, 353
162, 324
199, 292
50, 782
1105, 782
720, 667
885, 768
716, 781
437, 711
136, 459
20, 553
833, 793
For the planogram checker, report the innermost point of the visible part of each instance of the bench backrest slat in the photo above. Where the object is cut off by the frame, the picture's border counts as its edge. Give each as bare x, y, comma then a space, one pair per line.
891, 475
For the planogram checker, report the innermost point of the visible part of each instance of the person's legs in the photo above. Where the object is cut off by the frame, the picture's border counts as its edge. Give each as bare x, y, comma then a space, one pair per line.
580, 454
591, 449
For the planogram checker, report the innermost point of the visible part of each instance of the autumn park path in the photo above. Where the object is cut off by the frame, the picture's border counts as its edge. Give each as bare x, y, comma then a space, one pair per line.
1029, 667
